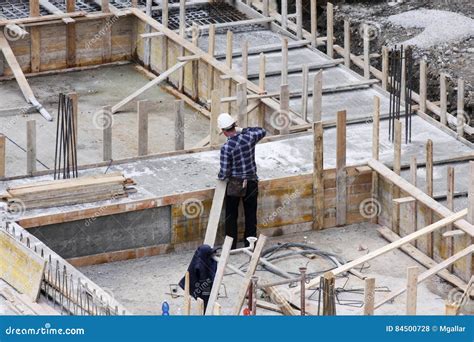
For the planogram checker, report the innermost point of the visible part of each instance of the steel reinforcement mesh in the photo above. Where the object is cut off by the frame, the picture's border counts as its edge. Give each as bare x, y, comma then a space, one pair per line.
16, 9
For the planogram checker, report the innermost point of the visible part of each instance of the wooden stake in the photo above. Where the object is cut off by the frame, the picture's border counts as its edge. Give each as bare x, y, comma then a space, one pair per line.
284, 113
200, 306
217, 309
35, 47
284, 61
135, 3
318, 176
347, 43
30, 147
2, 155
147, 43
397, 145
318, 96
341, 181
187, 295
413, 206
241, 91
182, 17
211, 51
366, 52
412, 289
265, 8
179, 125
34, 8
330, 29
245, 58
376, 129
369, 296
215, 111
105, 6
142, 116
304, 98
470, 198
229, 48
71, 36
284, 13
329, 299
429, 192
413, 170
423, 85
450, 206
299, 19
396, 216
385, 67
261, 75
107, 133
443, 96
460, 110
314, 23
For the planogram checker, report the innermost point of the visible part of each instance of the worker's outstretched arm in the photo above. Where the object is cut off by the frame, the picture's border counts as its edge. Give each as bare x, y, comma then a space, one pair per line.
257, 133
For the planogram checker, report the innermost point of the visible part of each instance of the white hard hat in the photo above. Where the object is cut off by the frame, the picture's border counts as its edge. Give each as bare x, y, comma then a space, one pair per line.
225, 121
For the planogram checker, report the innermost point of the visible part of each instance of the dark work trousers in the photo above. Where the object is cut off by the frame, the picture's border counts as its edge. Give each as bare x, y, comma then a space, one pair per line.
250, 211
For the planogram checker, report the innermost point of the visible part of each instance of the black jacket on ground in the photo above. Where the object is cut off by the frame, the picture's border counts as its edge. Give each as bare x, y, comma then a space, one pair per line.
202, 270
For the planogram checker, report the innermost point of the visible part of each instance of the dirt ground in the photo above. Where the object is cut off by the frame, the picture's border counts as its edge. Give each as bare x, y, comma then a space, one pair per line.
142, 285
455, 57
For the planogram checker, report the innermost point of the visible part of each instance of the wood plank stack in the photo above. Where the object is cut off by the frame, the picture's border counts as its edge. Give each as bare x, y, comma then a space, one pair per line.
69, 191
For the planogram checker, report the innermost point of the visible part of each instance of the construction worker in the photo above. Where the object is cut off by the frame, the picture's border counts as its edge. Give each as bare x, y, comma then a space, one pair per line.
237, 165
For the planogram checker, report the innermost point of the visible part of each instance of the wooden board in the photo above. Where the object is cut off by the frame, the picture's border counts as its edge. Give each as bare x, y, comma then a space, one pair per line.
20, 267
215, 214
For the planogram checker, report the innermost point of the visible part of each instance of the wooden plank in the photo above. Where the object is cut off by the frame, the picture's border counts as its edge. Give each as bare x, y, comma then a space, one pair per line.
54, 10
283, 120
284, 14
261, 76
423, 85
254, 260
299, 19
443, 96
369, 296
179, 125
211, 51
314, 23
376, 129
224, 257
450, 205
330, 29
284, 60
30, 147
35, 47
245, 58
436, 269
215, 111
347, 43
470, 197
163, 76
304, 99
412, 290
318, 176
341, 176
34, 8
241, 92
2, 155
461, 115
143, 108
187, 295
107, 123
419, 195
397, 147
318, 96
20, 266
384, 67
429, 192
215, 213
366, 42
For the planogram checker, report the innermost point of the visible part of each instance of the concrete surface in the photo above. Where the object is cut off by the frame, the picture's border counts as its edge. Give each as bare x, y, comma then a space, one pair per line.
141, 284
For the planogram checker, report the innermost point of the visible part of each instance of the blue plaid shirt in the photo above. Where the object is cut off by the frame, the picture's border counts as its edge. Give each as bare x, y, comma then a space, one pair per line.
238, 154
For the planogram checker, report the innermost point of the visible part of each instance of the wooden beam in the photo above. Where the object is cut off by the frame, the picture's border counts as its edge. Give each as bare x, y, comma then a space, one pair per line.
35, 47
187, 295
330, 29
2, 155
215, 111
369, 296
385, 67
34, 8
304, 99
215, 213
412, 289
419, 195
284, 60
70, 36
376, 129
366, 40
318, 96
284, 14
252, 267
299, 19
283, 120
163, 76
182, 17
429, 192
107, 121
341, 176
261, 77
314, 23
423, 85
347, 43
54, 10
461, 115
397, 146
241, 92
221, 265
245, 58
318, 176
443, 96
179, 125
211, 51
143, 108
470, 197
31, 147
